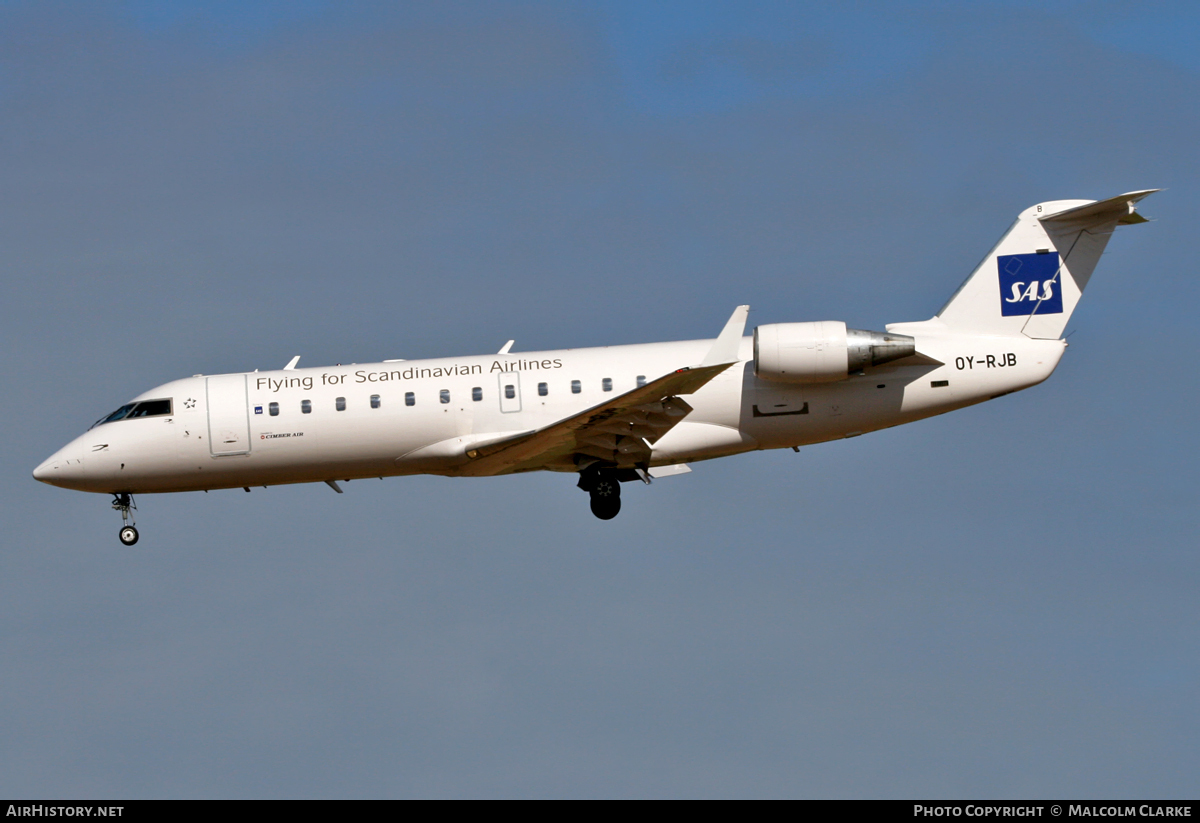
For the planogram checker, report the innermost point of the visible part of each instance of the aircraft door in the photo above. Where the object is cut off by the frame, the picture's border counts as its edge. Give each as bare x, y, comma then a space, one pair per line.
228, 415
510, 391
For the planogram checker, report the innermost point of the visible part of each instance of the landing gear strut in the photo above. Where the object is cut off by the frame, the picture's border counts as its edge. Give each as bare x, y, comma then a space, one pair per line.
124, 504
605, 491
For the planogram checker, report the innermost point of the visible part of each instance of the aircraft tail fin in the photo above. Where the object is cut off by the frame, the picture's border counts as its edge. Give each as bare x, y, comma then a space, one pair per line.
1032, 280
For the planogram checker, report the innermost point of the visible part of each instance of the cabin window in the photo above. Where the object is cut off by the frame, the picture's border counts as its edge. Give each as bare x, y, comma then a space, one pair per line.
606, 384
576, 387
273, 408
937, 384
340, 404
375, 402
510, 391
641, 380
477, 394
543, 390
306, 406
444, 395
410, 399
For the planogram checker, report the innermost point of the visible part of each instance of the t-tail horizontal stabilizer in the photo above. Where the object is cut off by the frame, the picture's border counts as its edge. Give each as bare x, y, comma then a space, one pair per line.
1032, 280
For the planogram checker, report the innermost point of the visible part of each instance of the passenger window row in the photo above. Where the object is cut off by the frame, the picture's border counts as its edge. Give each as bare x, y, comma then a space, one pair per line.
410, 398
339, 403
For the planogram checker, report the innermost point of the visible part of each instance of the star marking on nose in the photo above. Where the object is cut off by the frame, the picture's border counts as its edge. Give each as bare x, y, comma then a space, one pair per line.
190, 403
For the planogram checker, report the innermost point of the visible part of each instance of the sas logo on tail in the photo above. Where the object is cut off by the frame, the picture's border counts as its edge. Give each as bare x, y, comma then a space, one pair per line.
1029, 283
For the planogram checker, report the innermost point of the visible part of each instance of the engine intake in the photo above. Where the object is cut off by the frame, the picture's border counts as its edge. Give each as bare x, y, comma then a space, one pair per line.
823, 352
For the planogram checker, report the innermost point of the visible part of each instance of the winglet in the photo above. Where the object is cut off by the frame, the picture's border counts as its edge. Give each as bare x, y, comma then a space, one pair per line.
725, 349
504, 349
292, 363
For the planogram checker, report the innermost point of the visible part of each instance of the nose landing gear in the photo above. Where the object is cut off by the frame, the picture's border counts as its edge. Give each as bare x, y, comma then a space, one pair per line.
125, 505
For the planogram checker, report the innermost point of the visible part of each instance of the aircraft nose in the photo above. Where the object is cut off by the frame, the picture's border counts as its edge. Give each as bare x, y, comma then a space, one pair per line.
60, 469
44, 471
53, 469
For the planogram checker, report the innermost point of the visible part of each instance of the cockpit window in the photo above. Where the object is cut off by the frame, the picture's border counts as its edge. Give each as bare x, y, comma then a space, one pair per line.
147, 408
117, 415
151, 408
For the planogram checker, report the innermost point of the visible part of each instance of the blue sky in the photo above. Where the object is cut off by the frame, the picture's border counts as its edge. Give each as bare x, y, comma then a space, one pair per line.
998, 602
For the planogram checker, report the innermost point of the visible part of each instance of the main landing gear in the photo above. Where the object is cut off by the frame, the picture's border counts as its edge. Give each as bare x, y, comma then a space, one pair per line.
605, 491
124, 504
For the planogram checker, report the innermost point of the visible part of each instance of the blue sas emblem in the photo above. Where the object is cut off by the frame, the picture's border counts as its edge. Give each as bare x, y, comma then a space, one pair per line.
1029, 284
258, 409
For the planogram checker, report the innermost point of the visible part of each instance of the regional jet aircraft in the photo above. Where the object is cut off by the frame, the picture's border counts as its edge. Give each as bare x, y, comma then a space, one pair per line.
607, 415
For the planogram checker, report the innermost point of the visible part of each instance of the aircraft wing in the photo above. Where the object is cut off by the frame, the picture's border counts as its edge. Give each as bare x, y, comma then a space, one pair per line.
619, 431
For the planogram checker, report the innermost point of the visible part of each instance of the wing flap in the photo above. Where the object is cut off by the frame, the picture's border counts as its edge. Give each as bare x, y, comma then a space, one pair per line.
620, 430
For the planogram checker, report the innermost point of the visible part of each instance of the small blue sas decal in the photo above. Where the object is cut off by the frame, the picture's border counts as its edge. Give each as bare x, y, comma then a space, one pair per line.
258, 409
1029, 284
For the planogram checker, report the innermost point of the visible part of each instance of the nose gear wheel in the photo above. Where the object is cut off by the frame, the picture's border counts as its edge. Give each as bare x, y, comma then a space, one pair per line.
124, 504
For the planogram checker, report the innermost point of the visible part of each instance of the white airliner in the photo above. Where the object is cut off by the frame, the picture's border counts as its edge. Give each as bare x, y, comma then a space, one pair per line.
611, 414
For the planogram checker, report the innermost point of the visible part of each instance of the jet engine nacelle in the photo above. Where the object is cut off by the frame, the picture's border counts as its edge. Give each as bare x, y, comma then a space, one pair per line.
822, 352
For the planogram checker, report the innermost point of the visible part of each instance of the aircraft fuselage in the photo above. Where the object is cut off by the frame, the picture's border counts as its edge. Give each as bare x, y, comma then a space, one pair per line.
421, 416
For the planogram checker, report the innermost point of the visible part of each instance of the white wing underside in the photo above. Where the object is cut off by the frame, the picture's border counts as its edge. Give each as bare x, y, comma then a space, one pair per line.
620, 432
